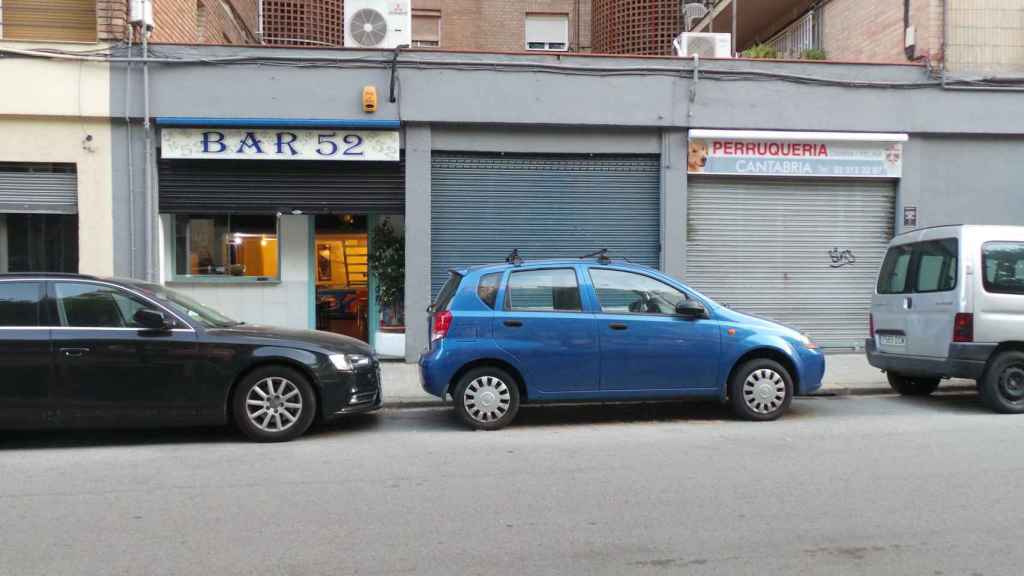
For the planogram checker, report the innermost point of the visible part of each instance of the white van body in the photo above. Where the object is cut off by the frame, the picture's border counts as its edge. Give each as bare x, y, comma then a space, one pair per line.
949, 303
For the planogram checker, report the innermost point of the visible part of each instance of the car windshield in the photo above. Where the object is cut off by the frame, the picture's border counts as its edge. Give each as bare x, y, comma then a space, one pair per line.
204, 315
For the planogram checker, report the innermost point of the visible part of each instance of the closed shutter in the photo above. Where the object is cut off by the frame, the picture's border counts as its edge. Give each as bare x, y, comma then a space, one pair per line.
485, 205
38, 188
251, 187
778, 249
66, 20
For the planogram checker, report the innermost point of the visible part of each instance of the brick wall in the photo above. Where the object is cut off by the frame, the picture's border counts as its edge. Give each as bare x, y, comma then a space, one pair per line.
873, 30
184, 21
500, 25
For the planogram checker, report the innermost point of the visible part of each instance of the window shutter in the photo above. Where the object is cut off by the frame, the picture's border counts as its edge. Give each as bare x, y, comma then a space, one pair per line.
547, 28
65, 20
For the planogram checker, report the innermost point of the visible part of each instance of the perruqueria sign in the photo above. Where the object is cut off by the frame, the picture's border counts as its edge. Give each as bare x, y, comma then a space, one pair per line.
279, 144
821, 154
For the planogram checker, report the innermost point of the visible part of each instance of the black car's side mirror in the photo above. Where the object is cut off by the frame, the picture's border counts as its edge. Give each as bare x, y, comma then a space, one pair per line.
691, 309
151, 319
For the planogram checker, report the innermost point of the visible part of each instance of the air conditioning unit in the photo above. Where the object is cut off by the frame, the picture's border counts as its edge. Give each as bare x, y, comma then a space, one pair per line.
378, 23
705, 45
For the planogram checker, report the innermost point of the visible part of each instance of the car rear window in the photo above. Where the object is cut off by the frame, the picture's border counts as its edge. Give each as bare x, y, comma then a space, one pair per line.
544, 291
19, 303
444, 297
1003, 263
893, 277
487, 289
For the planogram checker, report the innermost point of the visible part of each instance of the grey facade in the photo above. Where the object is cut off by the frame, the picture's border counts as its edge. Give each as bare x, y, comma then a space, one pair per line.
961, 162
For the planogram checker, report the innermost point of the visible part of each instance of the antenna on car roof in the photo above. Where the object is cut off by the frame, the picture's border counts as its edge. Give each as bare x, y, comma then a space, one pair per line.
514, 258
601, 255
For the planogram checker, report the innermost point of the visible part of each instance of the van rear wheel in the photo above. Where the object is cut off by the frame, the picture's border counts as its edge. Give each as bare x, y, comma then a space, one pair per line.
908, 386
1002, 386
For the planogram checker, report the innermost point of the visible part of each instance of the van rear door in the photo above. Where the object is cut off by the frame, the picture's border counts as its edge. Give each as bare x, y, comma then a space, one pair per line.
891, 304
934, 302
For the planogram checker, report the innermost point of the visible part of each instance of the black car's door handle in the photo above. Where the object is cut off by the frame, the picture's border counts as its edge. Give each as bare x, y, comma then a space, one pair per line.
617, 326
513, 323
74, 352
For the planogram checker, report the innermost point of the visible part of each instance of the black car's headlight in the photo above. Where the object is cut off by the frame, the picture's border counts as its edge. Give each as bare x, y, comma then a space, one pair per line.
348, 362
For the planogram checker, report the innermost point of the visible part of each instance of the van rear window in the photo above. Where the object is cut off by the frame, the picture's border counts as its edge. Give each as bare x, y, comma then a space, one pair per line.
895, 270
1003, 263
444, 297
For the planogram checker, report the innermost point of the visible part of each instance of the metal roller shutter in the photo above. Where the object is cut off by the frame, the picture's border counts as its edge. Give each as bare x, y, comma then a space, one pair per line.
247, 187
38, 188
767, 247
550, 206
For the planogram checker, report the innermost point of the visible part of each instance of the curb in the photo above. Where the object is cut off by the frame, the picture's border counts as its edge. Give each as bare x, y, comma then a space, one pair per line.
411, 403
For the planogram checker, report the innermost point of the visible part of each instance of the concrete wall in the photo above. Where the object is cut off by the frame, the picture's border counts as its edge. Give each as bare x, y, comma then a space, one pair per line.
285, 303
56, 111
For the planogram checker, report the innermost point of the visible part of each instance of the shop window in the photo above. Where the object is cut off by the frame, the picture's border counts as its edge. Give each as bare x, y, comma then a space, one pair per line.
60, 20
426, 28
547, 32
233, 246
39, 243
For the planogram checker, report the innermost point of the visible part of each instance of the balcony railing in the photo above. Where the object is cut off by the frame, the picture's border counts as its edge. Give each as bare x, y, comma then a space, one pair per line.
798, 37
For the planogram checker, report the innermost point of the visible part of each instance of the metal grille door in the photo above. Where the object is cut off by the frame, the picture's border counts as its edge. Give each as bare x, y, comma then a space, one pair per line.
485, 205
801, 252
38, 188
248, 187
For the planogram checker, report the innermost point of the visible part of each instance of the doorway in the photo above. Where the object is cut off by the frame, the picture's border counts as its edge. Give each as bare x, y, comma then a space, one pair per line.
340, 248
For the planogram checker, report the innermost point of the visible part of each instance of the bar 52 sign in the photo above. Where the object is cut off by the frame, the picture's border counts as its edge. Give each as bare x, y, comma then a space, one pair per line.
278, 144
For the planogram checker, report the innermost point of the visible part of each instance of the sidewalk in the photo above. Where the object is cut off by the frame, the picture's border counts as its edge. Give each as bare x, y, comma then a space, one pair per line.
845, 374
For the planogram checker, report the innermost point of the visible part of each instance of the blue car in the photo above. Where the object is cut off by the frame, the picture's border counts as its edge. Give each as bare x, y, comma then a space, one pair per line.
596, 329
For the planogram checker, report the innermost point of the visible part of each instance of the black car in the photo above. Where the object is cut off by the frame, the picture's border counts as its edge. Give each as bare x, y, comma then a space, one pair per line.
79, 351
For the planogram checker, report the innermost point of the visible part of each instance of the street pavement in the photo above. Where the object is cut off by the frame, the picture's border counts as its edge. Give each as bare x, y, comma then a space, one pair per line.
842, 485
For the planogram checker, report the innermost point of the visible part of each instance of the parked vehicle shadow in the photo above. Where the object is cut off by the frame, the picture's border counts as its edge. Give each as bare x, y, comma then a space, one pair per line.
93, 438
957, 401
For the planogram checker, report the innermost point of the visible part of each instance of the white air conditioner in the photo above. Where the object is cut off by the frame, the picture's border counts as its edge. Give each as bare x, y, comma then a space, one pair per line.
378, 23
703, 44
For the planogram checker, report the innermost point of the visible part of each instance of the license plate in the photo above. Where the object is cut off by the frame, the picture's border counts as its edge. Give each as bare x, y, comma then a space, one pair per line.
892, 340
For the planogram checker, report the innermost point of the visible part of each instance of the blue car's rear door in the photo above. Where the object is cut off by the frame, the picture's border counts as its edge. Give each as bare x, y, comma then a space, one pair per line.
542, 324
645, 346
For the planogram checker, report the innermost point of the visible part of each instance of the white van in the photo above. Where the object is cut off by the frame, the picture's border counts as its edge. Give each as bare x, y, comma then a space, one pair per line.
949, 303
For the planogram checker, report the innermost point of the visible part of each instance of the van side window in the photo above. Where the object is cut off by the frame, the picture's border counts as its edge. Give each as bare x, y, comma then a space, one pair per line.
936, 265
487, 289
893, 277
1003, 263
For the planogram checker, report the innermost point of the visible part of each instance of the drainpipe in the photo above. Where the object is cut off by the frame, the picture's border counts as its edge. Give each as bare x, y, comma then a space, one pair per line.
131, 165
908, 50
147, 176
734, 3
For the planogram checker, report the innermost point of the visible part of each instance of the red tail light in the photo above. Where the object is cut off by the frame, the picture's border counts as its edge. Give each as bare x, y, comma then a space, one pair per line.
963, 327
442, 322
871, 325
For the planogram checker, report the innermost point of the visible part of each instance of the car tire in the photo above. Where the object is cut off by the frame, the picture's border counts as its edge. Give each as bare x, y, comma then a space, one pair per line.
267, 398
1002, 386
486, 398
760, 389
908, 386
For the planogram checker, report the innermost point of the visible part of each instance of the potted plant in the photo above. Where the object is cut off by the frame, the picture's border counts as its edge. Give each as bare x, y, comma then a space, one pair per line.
387, 263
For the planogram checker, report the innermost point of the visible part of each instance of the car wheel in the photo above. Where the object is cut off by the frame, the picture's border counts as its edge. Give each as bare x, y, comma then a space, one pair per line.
912, 386
487, 398
760, 389
274, 404
1002, 386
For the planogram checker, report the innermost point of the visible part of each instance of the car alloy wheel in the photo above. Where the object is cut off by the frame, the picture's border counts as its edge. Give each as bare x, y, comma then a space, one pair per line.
273, 404
764, 391
487, 399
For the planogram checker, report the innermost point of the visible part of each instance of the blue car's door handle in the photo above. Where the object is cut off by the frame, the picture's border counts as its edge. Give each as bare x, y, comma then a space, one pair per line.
513, 323
617, 326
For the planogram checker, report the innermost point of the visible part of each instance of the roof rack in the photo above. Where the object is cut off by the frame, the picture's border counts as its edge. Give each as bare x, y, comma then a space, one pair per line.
514, 258
601, 255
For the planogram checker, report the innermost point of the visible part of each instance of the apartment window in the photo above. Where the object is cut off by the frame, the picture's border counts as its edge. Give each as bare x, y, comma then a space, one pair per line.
221, 245
60, 20
426, 28
547, 32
